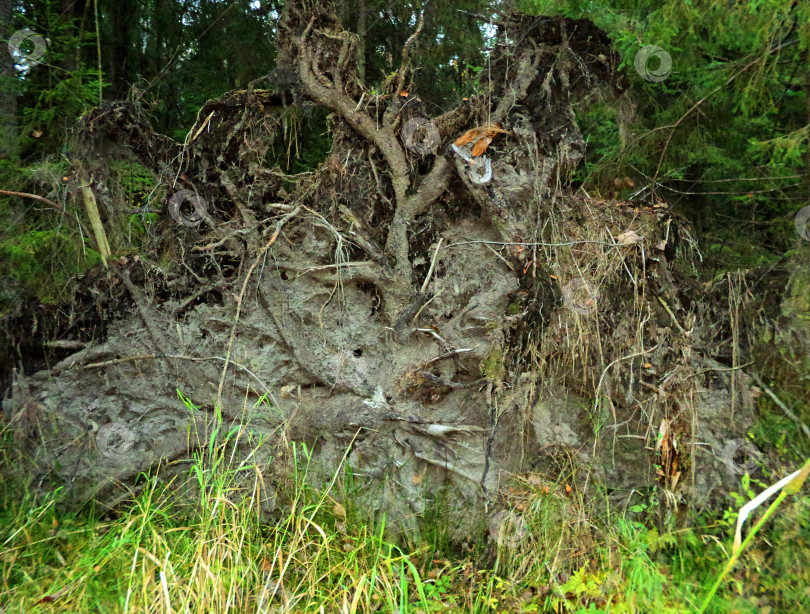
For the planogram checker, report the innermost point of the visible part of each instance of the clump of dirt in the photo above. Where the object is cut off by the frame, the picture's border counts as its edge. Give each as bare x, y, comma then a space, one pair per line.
399, 311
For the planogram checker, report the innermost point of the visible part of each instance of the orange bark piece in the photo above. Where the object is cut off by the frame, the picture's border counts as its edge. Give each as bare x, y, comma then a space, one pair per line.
468, 137
481, 146
481, 137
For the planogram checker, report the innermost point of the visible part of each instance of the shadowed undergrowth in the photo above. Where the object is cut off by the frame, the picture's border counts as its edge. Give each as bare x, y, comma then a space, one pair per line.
217, 548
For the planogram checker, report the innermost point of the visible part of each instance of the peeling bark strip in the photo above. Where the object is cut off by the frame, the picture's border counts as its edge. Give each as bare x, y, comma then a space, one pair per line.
95, 221
385, 307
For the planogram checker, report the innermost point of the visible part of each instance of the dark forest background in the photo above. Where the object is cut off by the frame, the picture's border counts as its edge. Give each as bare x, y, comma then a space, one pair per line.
723, 139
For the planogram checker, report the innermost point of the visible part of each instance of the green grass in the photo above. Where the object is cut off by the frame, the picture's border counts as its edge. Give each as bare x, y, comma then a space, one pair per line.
214, 549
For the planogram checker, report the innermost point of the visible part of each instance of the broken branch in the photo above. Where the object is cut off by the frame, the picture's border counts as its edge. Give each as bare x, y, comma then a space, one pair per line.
42, 199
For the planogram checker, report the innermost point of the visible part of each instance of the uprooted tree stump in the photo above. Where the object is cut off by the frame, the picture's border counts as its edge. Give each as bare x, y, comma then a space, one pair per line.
442, 320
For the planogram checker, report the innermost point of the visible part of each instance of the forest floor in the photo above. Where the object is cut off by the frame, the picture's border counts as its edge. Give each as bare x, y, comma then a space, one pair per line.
220, 552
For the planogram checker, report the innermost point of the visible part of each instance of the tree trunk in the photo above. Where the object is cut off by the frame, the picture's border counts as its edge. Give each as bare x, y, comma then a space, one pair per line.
9, 137
122, 16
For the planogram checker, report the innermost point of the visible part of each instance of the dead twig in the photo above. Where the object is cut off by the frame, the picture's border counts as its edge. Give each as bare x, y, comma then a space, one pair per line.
95, 221
781, 405
505, 261
210, 246
146, 316
209, 288
450, 354
406, 48
66, 344
41, 199
437, 380
432, 265
118, 361
672, 315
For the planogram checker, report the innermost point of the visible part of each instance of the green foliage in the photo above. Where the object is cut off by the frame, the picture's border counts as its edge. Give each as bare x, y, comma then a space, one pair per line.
721, 130
135, 180
57, 91
306, 143
134, 187
635, 584
792, 488
41, 263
